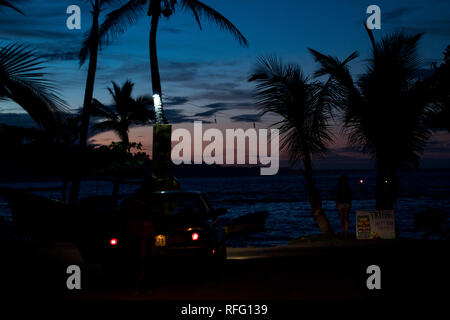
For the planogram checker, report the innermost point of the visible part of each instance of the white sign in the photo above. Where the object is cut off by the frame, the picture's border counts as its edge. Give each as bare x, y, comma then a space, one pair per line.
378, 224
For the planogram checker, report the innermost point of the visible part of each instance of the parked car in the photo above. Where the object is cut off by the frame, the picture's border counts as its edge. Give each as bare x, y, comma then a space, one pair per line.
185, 225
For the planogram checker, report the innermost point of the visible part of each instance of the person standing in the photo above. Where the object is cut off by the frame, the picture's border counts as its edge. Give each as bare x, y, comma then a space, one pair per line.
343, 202
141, 227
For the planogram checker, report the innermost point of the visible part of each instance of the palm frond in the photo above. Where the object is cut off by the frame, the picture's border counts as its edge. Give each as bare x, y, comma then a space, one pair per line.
199, 10
8, 4
371, 36
22, 81
107, 125
142, 111
301, 103
332, 66
124, 112
102, 35
85, 47
385, 112
342, 91
194, 12
98, 109
118, 20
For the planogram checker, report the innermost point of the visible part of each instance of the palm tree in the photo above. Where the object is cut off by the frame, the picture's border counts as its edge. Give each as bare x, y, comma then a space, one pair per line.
129, 13
124, 112
439, 95
120, 116
90, 48
22, 81
385, 111
304, 125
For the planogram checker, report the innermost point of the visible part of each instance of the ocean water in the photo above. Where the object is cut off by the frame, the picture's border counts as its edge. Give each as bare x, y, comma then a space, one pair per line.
284, 198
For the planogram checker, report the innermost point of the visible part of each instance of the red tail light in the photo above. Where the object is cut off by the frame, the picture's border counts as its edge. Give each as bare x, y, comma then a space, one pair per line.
195, 236
113, 242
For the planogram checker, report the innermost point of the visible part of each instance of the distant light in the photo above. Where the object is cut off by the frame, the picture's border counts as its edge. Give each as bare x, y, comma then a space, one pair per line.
385, 181
361, 181
214, 251
195, 236
113, 242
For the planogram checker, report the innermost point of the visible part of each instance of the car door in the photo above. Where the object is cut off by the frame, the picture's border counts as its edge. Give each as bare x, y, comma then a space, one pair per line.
215, 226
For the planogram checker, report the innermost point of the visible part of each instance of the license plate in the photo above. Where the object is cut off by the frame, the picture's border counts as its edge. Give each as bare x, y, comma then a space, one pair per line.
160, 240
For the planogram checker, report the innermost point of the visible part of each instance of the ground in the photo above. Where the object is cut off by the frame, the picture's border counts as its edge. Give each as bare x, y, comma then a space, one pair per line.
320, 270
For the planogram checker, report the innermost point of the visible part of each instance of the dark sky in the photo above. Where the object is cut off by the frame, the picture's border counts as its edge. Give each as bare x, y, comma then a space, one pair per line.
204, 73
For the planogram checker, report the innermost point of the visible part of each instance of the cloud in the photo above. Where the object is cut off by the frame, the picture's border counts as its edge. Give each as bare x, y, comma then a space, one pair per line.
192, 80
247, 118
176, 116
231, 95
215, 108
434, 27
60, 55
43, 27
419, 19
174, 71
394, 14
171, 101
172, 30
417, 23
208, 113
183, 81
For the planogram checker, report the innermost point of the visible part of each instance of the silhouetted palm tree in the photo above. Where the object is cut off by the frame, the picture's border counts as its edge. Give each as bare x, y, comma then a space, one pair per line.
384, 112
438, 85
10, 5
124, 112
91, 45
90, 48
22, 81
304, 126
129, 13
120, 116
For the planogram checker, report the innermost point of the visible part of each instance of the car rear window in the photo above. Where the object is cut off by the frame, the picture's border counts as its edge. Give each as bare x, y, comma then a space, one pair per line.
176, 205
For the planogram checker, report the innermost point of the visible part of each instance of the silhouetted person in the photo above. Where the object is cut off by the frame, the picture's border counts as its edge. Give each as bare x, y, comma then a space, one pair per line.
343, 195
140, 225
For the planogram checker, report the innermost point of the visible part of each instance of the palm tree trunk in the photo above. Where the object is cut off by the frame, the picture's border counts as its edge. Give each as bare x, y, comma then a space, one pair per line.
125, 138
118, 174
154, 70
88, 95
314, 198
161, 130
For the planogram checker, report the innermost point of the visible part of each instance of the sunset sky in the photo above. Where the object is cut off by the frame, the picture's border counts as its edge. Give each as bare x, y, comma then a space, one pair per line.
204, 73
